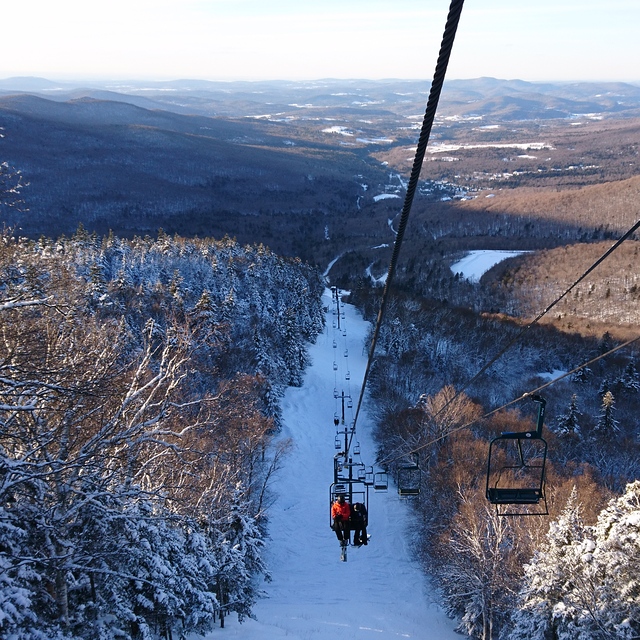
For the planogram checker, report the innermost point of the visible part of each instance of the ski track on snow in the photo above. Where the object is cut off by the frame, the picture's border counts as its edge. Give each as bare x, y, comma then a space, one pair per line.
380, 592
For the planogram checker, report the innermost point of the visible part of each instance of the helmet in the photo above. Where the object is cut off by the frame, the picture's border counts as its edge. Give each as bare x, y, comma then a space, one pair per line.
340, 497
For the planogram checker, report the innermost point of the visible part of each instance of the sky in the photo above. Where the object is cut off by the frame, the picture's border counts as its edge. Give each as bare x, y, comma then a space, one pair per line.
555, 40
380, 592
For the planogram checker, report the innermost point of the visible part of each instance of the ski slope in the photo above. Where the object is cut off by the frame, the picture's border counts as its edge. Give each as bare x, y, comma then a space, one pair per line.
380, 592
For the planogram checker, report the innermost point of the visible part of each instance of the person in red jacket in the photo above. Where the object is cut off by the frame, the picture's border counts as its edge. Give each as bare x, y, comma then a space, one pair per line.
340, 513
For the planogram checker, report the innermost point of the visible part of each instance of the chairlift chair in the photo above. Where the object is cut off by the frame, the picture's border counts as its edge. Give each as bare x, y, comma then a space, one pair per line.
368, 478
354, 491
409, 478
381, 481
516, 470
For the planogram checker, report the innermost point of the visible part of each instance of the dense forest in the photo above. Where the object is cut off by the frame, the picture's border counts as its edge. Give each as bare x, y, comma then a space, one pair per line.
139, 390
517, 577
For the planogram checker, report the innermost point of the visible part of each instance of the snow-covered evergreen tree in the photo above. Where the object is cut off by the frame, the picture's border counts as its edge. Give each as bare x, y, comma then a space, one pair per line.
630, 378
615, 566
568, 424
238, 543
582, 375
542, 608
121, 436
585, 583
607, 425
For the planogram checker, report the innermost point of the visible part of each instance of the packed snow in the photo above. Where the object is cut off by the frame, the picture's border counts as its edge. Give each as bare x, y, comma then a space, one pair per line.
380, 592
379, 280
477, 263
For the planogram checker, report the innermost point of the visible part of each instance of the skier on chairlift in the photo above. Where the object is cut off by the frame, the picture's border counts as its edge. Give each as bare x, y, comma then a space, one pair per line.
359, 524
340, 513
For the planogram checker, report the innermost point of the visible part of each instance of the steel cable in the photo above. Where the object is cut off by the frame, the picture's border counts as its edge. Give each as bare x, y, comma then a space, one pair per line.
453, 18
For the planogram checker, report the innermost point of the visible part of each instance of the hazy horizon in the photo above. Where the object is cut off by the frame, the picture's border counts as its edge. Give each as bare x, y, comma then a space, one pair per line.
80, 81
246, 40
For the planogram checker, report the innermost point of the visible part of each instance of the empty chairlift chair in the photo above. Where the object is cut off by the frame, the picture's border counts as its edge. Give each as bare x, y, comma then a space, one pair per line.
380, 481
516, 470
409, 477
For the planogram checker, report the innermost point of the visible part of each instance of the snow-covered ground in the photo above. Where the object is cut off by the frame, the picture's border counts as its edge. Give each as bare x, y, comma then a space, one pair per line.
385, 196
380, 592
379, 280
476, 263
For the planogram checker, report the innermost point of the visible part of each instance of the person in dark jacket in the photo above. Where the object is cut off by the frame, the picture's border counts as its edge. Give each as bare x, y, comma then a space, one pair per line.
340, 514
359, 523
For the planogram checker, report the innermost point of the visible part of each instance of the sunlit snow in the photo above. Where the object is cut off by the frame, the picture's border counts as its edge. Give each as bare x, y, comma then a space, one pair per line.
440, 148
343, 131
477, 263
380, 592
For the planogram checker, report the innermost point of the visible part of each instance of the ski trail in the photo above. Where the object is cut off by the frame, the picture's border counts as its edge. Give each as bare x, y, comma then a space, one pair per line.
380, 592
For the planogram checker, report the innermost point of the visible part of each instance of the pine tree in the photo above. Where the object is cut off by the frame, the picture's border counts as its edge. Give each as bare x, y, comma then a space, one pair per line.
582, 375
586, 583
568, 424
616, 563
607, 425
548, 579
630, 379
238, 543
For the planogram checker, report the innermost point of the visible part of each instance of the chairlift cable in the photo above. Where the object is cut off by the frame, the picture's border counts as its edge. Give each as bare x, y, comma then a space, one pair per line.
524, 396
453, 18
521, 333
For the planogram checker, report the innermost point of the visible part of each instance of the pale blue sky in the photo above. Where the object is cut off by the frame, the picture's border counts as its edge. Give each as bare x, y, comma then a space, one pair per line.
303, 39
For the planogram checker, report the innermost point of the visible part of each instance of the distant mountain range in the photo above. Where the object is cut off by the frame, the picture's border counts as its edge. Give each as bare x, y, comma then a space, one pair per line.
285, 163
491, 97
111, 165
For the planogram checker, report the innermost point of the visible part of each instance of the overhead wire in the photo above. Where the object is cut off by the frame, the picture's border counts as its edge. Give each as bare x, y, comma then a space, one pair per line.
395, 458
453, 19
527, 327
451, 26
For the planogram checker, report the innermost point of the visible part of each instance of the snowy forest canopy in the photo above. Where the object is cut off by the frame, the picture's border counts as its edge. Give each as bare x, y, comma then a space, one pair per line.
140, 383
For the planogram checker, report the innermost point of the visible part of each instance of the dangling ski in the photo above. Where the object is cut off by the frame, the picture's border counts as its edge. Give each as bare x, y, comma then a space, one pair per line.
343, 550
357, 546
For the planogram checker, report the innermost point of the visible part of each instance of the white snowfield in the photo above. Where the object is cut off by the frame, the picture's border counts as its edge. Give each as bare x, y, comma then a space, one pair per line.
381, 592
526, 146
476, 263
